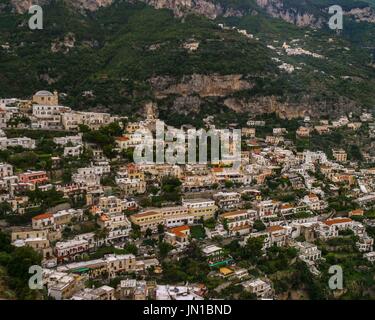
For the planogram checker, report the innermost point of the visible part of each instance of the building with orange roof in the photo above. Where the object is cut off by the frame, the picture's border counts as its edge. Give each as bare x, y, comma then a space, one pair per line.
345, 178
95, 210
314, 203
274, 229
338, 221
122, 138
286, 208
238, 222
331, 227
357, 212
122, 142
129, 140
117, 225
277, 235
178, 235
43, 221
225, 272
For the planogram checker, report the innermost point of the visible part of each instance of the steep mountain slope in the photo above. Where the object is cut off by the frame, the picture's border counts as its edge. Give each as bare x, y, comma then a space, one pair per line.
116, 56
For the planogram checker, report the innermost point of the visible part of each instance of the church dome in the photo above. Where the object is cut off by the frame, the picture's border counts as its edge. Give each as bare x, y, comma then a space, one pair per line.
44, 93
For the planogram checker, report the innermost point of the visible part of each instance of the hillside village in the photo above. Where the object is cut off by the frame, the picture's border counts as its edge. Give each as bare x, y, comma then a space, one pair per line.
104, 228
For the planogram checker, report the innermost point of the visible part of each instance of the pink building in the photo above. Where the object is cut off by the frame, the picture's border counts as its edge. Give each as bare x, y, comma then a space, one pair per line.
34, 177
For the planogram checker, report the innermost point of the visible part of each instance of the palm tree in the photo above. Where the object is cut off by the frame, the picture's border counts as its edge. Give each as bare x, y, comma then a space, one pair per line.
101, 234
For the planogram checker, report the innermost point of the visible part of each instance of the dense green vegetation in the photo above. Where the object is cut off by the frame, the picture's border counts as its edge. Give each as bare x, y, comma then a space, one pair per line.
119, 48
15, 263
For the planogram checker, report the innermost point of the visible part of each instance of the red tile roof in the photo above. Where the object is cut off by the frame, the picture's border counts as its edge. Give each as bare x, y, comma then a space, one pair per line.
180, 228
356, 212
122, 138
233, 213
104, 217
43, 216
336, 221
179, 231
145, 214
274, 228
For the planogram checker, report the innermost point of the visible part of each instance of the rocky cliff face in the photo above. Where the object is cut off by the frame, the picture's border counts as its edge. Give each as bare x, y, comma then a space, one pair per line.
362, 14
91, 5
192, 91
290, 110
211, 10
22, 6
205, 8
182, 7
277, 9
201, 85
186, 105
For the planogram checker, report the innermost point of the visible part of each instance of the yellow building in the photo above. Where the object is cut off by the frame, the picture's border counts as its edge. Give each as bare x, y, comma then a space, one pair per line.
147, 220
27, 233
200, 208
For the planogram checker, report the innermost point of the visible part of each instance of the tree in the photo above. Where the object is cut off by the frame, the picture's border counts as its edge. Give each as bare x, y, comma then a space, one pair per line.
109, 151
46, 146
83, 128
355, 153
259, 225
136, 231
101, 234
193, 251
246, 295
229, 184
127, 154
67, 175
148, 233
5, 209
131, 248
21, 259
209, 223
5, 242
160, 228
225, 225
164, 249
254, 246
46, 199
170, 189
215, 186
